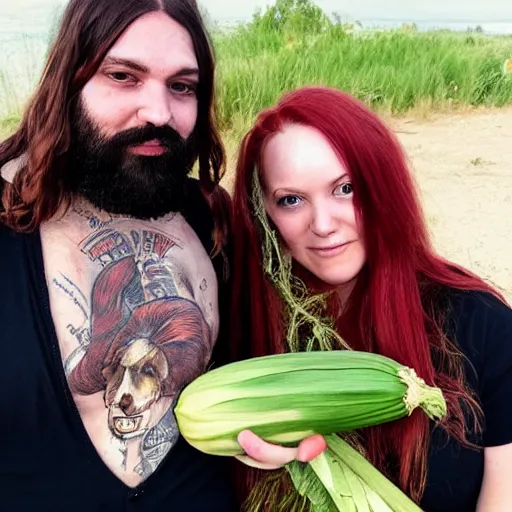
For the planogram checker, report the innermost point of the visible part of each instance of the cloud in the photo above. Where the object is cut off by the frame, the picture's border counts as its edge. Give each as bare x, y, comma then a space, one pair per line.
456, 10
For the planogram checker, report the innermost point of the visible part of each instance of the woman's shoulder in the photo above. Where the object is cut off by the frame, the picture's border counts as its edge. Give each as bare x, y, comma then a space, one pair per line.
467, 302
481, 326
477, 317
478, 322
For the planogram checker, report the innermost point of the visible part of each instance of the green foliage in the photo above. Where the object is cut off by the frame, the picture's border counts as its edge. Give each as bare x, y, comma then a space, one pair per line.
8, 125
293, 43
297, 17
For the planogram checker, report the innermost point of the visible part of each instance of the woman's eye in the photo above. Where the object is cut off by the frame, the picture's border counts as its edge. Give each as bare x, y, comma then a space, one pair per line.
289, 201
345, 189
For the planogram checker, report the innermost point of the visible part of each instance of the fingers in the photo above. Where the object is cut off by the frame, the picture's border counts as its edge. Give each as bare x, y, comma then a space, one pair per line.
254, 463
263, 453
310, 448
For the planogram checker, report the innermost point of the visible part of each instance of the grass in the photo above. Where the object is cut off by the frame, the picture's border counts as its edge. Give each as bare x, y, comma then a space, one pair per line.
20, 66
393, 71
294, 44
8, 125
10, 104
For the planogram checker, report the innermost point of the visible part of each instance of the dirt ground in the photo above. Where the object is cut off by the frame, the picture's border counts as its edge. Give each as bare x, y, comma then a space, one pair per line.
463, 166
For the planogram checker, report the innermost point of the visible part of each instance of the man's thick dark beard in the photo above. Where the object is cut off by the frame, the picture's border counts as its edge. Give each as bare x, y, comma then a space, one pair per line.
145, 187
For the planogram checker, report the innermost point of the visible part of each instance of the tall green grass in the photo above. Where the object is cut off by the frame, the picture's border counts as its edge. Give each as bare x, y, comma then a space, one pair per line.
293, 43
21, 63
392, 70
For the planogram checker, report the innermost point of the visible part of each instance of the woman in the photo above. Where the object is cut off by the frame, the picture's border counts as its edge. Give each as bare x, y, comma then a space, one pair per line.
335, 187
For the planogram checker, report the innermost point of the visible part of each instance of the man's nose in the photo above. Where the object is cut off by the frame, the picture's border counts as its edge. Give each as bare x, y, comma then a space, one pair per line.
155, 107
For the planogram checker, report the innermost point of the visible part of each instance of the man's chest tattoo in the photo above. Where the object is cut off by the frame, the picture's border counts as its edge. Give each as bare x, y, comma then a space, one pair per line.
142, 331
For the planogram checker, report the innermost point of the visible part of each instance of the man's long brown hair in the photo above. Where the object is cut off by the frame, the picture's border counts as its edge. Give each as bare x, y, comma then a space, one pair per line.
89, 28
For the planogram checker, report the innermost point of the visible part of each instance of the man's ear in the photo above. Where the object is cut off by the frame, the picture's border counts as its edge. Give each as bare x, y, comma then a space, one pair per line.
11, 168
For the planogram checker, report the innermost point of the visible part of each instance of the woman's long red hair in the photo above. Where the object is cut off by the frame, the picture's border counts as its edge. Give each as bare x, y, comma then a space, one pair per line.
394, 309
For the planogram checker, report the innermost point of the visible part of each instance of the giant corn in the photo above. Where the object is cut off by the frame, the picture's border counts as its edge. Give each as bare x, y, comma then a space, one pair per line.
287, 397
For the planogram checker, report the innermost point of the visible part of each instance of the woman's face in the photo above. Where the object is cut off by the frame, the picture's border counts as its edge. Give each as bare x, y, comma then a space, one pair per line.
308, 196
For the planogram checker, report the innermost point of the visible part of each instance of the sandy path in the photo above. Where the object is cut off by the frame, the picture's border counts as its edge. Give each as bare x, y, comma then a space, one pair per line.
463, 165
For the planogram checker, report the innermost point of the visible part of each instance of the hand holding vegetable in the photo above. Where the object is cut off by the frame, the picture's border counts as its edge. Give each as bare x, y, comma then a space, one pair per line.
285, 409
263, 455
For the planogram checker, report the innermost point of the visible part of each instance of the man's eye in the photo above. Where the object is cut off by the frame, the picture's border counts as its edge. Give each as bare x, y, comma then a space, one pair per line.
183, 88
119, 76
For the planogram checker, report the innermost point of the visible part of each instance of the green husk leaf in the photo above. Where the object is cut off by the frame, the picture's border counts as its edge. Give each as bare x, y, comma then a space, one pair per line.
371, 476
357, 489
345, 488
328, 469
307, 484
329, 472
377, 504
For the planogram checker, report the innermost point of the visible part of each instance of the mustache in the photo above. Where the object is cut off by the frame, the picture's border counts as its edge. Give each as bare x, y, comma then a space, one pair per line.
166, 135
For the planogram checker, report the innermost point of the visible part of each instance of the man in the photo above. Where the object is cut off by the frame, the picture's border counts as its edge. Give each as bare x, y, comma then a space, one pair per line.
114, 268
112, 265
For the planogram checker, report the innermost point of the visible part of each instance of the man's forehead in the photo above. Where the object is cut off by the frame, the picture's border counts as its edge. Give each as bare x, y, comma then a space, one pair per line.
157, 42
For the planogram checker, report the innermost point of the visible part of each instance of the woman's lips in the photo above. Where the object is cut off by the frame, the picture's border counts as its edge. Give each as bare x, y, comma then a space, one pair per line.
329, 251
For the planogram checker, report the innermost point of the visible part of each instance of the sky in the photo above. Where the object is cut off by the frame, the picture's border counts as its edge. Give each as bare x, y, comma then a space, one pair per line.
414, 10
404, 10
